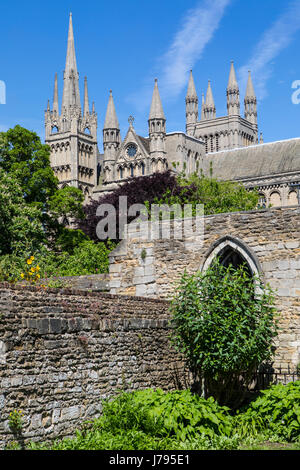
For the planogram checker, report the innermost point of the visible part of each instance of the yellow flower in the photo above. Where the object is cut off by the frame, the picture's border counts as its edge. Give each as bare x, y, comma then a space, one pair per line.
29, 261
37, 268
38, 276
32, 258
22, 275
32, 270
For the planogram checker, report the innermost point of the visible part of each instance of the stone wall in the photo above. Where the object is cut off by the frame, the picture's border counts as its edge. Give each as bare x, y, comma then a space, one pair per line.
63, 351
269, 240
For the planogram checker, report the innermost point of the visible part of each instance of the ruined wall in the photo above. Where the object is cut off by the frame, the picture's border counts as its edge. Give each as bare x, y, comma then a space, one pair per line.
269, 238
63, 351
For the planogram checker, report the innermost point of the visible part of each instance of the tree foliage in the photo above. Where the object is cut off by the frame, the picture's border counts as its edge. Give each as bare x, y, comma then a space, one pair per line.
224, 328
36, 208
21, 228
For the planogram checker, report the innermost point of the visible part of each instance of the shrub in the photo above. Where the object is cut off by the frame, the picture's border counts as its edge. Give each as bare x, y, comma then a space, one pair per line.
276, 409
223, 329
180, 415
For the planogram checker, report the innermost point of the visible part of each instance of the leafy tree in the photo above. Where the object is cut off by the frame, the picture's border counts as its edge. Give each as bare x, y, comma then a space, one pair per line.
216, 196
27, 160
224, 328
23, 154
21, 229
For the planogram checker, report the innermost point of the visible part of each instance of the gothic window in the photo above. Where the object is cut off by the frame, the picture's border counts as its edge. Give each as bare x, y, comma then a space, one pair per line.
131, 170
121, 173
211, 143
54, 130
87, 131
143, 168
217, 142
234, 252
206, 144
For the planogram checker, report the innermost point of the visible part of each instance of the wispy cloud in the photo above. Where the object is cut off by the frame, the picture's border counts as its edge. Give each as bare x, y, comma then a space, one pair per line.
197, 29
280, 34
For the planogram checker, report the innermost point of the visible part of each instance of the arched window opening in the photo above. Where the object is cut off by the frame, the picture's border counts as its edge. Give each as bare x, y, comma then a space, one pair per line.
234, 252
230, 257
54, 130
87, 131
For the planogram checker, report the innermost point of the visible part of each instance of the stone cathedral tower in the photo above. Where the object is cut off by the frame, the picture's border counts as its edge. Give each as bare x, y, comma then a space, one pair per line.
226, 132
72, 133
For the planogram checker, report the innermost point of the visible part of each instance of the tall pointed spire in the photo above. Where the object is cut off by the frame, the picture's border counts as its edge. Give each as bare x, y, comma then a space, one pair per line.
250, 93
111, 120
156, 111
209, 108
71, 94
157, 126
86, 108
55, 96
233, 93
250, 102
191, 106
111, 133
209, 96
232, 82
191, 91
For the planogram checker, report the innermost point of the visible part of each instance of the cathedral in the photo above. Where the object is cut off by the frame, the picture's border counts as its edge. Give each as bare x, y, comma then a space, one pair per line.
228, 145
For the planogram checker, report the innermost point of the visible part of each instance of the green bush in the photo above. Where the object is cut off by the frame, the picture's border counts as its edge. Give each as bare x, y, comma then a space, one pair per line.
157, 420
180, 414
277, 410
223, 328
86, 258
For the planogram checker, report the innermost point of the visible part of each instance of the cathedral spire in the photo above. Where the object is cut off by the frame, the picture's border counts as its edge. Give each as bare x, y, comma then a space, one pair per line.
191, 91
157, 126
55, 96
191, 105
209, 108
156, 111
111, 120
250, 102
71, 94
111, 133
250, 93
86, 108
233, 93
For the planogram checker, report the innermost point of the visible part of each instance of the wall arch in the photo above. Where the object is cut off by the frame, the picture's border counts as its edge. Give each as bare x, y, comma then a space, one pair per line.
236, 246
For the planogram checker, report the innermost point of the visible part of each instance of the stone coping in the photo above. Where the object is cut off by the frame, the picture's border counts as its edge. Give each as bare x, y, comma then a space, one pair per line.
81, 293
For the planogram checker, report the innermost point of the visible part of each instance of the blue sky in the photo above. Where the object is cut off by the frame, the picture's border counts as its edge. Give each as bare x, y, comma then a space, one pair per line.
123, 46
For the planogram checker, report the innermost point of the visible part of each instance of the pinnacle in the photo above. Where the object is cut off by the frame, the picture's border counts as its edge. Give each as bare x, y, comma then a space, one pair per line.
232, 82
209, 96
191, 91
250, 93
156, 111
111, 120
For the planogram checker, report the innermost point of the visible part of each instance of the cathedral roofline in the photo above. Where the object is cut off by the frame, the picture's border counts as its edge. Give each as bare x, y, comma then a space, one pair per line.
186, 135
250, 147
